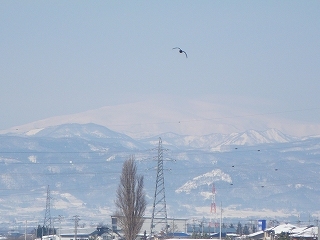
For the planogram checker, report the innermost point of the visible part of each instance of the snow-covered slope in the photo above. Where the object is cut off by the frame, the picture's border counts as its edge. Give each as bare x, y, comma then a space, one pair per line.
252, 137
86, 131
217, 142
255, 173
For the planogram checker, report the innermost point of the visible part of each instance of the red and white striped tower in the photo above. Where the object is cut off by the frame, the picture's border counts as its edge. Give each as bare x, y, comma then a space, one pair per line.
213, 206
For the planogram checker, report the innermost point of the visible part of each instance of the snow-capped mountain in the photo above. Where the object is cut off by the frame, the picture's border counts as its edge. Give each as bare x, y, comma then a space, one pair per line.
256, 174
184, 116
218, 141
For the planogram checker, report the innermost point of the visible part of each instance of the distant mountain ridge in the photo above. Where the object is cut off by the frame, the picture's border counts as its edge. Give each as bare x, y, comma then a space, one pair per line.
215, 140
184, 116
256, 173
218, 141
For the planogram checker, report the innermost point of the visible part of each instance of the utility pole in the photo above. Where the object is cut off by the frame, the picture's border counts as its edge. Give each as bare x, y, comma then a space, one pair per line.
25, 231
202, 223
173, 230
317, 221
76, 224
60, 218
318, 228
193, 228
159, 210
220, 220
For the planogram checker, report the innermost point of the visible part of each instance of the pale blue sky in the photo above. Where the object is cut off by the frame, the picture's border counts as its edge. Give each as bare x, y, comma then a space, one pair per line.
64, 57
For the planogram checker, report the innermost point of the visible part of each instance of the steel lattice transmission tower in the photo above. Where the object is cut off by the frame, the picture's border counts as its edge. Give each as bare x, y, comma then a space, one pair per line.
159, 211
47, 216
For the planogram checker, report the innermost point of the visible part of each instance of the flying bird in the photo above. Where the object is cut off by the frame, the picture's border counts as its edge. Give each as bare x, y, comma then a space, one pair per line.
181, 51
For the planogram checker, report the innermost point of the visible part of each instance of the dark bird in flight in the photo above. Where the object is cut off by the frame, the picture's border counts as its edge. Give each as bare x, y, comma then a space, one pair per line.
181, 51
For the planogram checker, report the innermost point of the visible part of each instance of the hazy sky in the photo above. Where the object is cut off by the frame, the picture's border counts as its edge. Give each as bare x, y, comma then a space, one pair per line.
65, 57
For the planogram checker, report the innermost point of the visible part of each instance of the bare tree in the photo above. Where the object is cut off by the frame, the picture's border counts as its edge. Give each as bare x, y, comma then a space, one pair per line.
131, 202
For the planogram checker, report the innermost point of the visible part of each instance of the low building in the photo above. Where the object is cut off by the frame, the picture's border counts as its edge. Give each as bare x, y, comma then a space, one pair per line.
99, 233
256, 235
309, 233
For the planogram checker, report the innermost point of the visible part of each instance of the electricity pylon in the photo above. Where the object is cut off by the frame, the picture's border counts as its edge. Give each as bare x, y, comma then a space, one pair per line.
159, 211
47, 216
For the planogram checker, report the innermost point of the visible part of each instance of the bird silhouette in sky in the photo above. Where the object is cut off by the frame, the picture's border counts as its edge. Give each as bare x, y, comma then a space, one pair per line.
181, 51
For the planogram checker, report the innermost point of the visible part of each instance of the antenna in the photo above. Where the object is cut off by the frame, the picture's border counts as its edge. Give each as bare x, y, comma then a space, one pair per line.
213, 201
213, 206
47, 217
159, 211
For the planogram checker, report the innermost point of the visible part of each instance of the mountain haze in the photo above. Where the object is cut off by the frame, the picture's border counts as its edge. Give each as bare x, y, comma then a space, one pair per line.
182, 116
256, 174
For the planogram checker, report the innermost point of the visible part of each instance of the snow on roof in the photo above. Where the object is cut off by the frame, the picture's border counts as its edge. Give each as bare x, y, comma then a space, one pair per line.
255, 233
282, 228
307, 232
232, 234
298, 229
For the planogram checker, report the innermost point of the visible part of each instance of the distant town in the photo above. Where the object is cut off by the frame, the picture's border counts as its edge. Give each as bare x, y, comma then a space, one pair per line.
176, 229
